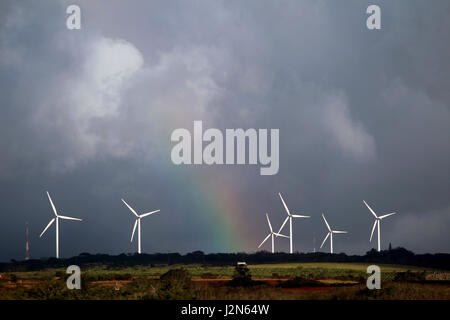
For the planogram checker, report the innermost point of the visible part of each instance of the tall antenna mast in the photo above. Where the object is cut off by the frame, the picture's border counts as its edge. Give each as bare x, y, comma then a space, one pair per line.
314, 242
27, 243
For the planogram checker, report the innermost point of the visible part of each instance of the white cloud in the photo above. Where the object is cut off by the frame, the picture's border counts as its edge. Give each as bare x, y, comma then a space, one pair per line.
84, 94
114, 105
183, 81
109, 64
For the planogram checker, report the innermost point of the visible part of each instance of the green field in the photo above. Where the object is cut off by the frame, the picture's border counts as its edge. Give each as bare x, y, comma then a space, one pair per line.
270, 281
325, 270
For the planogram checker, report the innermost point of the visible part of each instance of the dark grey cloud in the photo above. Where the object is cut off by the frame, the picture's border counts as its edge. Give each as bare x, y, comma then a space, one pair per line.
88, 115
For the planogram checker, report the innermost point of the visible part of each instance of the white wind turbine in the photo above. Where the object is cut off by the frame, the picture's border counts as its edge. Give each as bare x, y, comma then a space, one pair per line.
56, 218
377, 223
138, 223
289, 217
271, 234
329, 234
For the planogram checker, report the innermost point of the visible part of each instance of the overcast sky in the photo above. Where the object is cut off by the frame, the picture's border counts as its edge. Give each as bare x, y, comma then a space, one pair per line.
87, 115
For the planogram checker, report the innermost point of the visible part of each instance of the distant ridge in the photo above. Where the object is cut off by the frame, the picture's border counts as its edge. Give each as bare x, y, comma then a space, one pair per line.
399, 256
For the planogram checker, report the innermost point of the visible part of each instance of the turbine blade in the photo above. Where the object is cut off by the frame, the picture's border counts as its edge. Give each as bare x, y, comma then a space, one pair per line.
134, 229
70, 218
335, 231
264, 240
149, 213
132, 210
281, 235
51, 202
387, 215
284, 204
268, 221
49, 224
371, 210
373, 229
300, 216
285, 220
328, 234
328, 226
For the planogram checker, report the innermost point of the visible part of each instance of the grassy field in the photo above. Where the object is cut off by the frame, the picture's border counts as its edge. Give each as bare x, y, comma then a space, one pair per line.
270, 281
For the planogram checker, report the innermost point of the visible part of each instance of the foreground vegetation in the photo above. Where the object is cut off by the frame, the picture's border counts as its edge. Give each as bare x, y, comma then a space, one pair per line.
397, 256
261, 281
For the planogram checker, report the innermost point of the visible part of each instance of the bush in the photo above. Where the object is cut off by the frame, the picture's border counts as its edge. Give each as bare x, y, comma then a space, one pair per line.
242, 272
175, 285
13, 277
176, 274
242, 277
126, 276
60, 274
410, 276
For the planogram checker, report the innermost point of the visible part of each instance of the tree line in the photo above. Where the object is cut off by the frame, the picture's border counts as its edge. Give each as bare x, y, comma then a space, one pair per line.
391, 256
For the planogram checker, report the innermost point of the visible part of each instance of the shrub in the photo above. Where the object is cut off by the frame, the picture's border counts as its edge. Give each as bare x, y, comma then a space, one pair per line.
60, 274
242, 277
175, 285
176, 274
410, 276
13, 277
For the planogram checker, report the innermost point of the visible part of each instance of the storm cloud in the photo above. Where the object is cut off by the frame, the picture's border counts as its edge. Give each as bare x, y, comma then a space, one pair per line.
87, 115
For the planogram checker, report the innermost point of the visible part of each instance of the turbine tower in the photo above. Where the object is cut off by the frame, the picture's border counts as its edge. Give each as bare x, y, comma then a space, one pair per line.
138, 223
56, 218
314, 242
377, 224
271, 234
329, 234
289, 217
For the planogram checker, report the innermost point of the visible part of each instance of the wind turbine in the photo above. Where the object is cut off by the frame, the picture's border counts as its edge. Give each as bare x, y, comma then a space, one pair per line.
138, 223
377, 223
56, 218
289, 217
330, 234
271, 234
